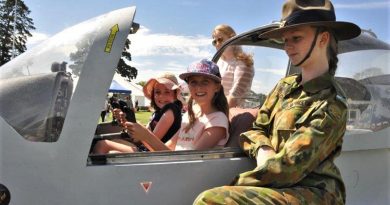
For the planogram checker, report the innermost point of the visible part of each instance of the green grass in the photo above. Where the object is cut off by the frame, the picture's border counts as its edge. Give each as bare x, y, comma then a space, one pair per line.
141, 116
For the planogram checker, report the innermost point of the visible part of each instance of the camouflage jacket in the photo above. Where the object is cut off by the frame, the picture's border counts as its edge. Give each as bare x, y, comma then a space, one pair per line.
305, 125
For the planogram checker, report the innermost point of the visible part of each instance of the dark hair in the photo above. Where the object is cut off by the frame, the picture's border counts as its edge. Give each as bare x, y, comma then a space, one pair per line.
219, 101
152, 103
332, 49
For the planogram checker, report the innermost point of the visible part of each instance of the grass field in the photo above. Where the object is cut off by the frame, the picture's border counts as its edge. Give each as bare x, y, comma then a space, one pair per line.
141, 116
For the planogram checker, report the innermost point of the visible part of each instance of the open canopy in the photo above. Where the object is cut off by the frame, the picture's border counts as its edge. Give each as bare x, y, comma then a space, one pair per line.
116, 87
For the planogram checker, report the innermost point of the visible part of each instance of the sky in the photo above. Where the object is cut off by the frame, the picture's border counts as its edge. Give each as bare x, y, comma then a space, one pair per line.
175, 33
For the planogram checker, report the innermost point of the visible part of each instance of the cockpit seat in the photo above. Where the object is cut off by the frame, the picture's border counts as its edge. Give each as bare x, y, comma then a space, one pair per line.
241, 120
107, 127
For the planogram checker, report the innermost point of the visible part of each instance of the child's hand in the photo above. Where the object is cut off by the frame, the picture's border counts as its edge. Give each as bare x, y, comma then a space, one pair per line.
264, 154
122, 119
136, 130
116, 112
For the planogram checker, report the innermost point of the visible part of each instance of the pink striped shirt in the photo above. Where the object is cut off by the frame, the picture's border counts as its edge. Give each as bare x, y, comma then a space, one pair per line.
236, 79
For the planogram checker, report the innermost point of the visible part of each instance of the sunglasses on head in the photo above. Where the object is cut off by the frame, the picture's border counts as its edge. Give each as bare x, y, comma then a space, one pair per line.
217, 40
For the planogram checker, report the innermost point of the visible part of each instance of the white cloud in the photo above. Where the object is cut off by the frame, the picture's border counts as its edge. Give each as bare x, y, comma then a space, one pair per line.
163, 52
36, 39
146, 43
147, 70
367, 5
140, 64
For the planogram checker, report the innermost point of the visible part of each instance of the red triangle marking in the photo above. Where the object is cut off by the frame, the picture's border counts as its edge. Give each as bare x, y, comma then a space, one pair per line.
146, 186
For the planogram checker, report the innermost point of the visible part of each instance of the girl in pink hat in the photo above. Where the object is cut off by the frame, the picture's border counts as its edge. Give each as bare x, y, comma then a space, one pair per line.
163, 92
205, 125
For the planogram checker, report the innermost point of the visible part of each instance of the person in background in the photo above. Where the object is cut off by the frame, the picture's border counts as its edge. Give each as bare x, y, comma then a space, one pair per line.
113, 99
163, 93
129, 102
299, 129
235, 65
105, 110
136, 106
204, 128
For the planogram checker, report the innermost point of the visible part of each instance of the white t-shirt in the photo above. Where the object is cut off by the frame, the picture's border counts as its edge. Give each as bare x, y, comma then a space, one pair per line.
186, 140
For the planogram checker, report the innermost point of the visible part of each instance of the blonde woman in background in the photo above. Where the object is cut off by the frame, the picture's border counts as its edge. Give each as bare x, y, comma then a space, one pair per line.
235, 65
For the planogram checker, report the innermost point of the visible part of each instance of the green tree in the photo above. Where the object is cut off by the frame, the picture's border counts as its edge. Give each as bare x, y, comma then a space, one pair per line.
23, 26
79, 56
123, 67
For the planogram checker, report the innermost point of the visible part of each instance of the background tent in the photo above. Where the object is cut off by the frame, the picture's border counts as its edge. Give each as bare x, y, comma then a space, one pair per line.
136, 90
115, 87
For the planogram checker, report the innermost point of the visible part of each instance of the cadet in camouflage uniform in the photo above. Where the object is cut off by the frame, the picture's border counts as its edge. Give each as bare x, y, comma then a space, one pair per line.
299, 129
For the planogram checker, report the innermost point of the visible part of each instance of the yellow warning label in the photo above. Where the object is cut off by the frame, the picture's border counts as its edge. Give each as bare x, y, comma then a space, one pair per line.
111, 38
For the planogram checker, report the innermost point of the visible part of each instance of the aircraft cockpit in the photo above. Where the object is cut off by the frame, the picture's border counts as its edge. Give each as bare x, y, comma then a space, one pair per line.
52, 95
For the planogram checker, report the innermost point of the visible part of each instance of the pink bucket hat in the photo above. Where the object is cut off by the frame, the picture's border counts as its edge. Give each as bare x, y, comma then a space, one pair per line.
167, 79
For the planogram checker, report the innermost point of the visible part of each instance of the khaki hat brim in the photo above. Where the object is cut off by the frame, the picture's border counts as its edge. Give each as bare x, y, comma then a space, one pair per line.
342, 30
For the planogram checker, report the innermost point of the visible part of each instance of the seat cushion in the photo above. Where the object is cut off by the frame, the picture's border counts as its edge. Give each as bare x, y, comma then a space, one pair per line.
241, 120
